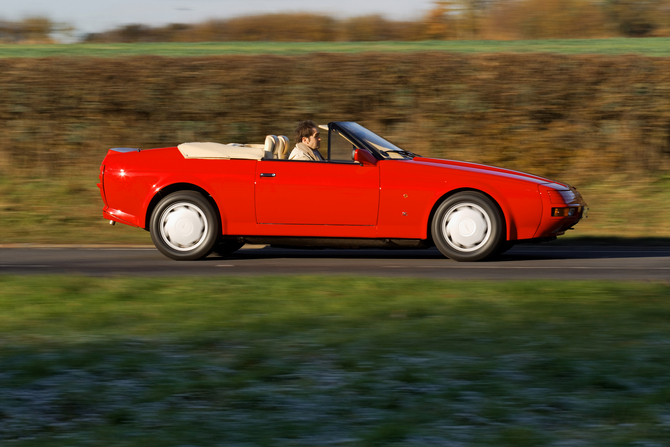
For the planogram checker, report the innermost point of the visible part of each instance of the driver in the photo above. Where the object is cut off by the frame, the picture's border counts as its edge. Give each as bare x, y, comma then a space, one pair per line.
308, 141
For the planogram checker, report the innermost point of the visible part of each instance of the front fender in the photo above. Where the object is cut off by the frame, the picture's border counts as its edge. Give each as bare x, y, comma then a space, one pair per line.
519, 202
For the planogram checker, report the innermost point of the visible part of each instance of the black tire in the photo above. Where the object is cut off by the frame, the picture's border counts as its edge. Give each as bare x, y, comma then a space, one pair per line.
184, 226
468, 226
227, 245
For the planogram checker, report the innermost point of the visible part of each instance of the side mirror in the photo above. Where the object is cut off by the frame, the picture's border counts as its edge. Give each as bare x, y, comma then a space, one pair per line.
364, 157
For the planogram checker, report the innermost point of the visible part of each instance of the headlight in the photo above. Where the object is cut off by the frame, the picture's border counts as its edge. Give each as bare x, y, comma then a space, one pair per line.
561, 196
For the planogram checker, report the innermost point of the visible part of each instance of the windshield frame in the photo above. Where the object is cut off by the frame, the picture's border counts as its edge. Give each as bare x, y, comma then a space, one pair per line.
366, 139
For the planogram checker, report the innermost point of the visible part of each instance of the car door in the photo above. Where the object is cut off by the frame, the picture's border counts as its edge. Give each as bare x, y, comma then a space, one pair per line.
316, 193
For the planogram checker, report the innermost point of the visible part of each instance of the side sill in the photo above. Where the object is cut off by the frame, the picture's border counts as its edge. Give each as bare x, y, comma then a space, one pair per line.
336, 242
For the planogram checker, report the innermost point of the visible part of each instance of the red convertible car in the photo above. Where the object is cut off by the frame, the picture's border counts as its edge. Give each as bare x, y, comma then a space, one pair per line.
200, 198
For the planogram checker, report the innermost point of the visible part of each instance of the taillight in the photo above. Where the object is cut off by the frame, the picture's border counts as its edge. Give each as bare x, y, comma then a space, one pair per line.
101, 185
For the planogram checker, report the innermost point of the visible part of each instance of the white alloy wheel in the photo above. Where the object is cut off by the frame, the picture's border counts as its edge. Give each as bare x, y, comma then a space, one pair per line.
183, 226
466, 227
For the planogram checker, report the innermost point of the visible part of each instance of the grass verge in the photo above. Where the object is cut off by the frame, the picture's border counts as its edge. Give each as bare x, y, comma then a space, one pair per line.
332, 361
659, 47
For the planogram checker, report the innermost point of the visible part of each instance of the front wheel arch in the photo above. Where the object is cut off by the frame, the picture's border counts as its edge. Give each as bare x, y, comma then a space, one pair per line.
468, 206
445, 196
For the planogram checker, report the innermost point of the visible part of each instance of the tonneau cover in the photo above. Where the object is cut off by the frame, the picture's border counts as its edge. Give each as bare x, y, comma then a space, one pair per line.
222, 151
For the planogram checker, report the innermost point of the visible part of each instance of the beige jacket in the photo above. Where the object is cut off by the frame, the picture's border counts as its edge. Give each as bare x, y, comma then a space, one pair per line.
303, 152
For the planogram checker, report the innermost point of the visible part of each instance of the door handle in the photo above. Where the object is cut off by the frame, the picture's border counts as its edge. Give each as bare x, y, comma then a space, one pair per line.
266, 174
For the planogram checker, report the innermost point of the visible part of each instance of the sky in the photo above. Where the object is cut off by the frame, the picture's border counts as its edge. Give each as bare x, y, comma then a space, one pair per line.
89, 16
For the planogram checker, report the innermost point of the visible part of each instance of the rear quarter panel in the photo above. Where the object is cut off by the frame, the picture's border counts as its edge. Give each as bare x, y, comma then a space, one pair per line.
133, 179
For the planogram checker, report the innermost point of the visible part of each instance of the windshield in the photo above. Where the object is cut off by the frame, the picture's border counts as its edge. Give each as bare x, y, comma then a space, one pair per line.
382, 146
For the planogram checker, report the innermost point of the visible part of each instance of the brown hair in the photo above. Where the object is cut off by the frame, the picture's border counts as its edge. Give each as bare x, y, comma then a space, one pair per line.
305, 129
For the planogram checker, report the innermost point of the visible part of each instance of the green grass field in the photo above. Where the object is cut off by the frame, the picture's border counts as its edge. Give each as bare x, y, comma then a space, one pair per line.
332, 361
658, 47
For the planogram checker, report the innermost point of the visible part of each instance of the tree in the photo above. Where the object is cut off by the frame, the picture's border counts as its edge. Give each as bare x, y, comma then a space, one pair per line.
547, 19
457, 18
33, 29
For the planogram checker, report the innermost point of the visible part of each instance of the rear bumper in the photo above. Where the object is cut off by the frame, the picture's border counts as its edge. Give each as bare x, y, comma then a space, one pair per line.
120, 217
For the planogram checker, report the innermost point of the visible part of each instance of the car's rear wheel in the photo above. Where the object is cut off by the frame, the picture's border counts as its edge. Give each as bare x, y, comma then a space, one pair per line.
184, 226
468, 226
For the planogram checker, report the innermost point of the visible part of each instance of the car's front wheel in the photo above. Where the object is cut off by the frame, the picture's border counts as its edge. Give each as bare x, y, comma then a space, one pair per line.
184, 226
468, 227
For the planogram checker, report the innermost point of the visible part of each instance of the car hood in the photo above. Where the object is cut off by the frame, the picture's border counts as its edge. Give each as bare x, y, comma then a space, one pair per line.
485, 169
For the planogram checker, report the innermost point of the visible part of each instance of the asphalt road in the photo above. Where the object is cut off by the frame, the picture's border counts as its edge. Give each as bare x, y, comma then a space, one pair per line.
615, 263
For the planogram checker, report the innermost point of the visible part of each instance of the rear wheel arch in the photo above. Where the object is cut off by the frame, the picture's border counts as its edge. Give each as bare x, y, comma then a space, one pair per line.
185, 226
175, 187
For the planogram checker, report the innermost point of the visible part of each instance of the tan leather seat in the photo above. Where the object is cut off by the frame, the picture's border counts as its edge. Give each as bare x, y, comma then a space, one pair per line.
274, 147
285, 144
271, 143
279, 148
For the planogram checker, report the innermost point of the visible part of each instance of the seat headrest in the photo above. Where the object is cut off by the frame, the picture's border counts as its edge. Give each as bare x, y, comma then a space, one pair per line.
270, 144
286, 148
280, 148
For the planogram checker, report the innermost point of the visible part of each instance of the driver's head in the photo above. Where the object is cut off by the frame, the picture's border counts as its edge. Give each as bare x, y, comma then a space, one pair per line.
308, 133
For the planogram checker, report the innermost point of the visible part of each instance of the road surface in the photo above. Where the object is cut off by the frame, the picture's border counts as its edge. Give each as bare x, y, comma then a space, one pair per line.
612, 263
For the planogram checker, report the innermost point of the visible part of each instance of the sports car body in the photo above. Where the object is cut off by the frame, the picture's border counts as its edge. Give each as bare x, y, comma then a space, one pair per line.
203, 197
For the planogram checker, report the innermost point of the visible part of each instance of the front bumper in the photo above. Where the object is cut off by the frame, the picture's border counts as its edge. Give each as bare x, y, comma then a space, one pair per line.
562, 209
